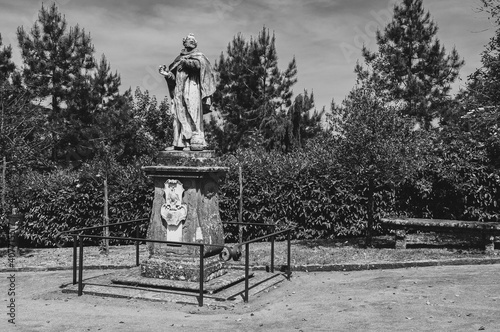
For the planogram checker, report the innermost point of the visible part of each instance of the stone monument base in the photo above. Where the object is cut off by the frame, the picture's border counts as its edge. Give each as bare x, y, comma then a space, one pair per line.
171, 157
175, 267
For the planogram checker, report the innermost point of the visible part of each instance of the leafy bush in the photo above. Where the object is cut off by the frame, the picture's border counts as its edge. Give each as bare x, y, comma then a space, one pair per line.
304, 189
62, 200
301, 190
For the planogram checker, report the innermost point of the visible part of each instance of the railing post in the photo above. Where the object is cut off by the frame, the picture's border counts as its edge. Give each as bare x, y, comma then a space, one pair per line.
80, 267
272, 254
74, 259
202, 250
137, 244
288, 260
247, 261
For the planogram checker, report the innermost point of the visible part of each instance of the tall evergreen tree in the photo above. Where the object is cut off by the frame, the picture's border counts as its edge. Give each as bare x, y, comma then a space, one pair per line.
305, 119
57, 61
100, 113
411, 66
6, 65
251, 88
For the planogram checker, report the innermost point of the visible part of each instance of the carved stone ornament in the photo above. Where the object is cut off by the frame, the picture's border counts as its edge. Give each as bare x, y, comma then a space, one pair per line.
173, 211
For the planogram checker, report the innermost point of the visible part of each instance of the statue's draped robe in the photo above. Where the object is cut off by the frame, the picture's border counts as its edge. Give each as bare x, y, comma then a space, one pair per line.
190, 93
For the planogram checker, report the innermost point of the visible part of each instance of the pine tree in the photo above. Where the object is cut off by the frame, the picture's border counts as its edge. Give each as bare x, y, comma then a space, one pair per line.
252, 91
100, 113
305, 119
57, 61
6, 65
411, 67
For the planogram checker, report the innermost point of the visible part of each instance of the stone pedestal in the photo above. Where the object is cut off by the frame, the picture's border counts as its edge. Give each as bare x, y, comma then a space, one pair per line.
173, 267
185, 209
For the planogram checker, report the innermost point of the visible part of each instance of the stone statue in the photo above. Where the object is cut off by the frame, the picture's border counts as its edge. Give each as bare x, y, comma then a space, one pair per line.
191, 84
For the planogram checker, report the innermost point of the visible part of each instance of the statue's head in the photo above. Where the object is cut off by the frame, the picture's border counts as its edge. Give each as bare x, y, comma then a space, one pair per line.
189, 42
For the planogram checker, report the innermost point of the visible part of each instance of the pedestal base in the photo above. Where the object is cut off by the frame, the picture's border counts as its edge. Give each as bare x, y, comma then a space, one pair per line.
183, 268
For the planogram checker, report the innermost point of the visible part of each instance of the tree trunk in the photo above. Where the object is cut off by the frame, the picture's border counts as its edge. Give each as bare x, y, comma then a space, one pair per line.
106, 217
4, 185
369, 225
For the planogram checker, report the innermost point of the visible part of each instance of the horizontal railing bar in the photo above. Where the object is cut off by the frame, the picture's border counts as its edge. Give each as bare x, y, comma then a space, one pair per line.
197, 244
100, 226
246, 223
266, 236
174, 242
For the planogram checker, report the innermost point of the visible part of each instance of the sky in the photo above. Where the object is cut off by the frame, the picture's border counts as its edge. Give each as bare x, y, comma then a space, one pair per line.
324, 36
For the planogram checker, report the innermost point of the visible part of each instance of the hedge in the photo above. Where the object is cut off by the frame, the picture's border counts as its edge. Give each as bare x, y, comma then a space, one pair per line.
302, 189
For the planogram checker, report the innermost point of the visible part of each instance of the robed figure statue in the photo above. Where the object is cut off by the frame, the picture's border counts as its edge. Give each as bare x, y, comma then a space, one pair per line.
191, 84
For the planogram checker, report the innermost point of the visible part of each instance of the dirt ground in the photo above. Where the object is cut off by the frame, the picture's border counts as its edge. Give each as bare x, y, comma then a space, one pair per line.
451, 298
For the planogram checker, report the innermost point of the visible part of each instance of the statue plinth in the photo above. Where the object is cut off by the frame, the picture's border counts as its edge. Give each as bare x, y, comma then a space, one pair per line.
185, 209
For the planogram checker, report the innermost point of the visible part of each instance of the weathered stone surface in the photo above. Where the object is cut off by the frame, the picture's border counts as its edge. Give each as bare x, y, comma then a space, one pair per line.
185, 210
133, 277
488, 230
202, 223
171, 157
191, 84
457, 225
173, 267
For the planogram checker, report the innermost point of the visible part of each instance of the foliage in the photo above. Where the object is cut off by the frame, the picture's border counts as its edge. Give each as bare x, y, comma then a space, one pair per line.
492, 7
456, 183
377, 146
6, 65
301, 189
79, 96
57, 64
151, 129
481, 101
411, 67
62, 200
483, 85
254, 97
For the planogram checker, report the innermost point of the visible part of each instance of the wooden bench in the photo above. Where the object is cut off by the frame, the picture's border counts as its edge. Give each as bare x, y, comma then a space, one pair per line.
489, 230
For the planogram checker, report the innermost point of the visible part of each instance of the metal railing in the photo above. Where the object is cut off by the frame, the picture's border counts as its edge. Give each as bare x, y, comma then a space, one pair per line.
70, 233
78, 238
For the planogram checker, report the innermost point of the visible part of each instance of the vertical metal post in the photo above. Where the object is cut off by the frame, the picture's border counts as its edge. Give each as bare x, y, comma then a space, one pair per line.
240, 213
247, 262
202, 250
137, 244
288, 260
74, 259
80, 269
272, 254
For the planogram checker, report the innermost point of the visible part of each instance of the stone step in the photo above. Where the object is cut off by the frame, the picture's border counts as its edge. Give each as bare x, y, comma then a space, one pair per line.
225, 297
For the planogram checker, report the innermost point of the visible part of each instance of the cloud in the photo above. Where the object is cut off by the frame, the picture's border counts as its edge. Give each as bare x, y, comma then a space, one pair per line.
325, 36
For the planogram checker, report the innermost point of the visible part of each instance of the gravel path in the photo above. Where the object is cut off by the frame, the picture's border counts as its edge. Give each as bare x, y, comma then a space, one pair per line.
451, 298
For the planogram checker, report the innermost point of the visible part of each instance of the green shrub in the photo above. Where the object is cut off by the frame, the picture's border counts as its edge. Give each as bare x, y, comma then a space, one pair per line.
62, 200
